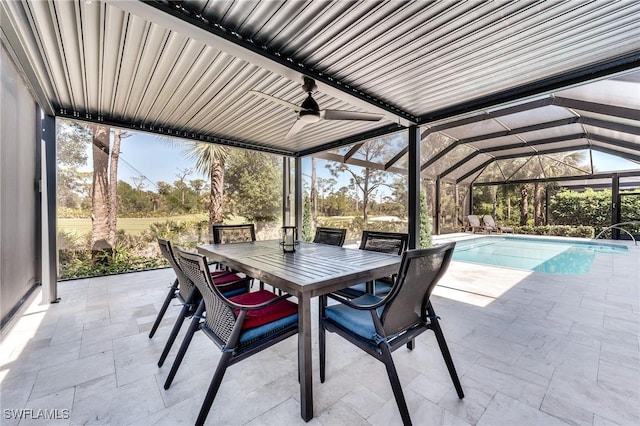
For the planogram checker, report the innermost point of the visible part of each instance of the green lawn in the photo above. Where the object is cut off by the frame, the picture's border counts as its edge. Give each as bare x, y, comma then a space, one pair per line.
131, 225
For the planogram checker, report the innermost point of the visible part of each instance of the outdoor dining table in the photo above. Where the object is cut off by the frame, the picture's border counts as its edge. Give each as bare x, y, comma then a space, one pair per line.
312, 270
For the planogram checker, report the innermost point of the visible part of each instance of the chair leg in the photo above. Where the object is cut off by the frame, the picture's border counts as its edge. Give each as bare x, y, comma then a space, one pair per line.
411, 344
163, 309
174, 333
322, 337
395, 384
213, 387
447, 357
193, 327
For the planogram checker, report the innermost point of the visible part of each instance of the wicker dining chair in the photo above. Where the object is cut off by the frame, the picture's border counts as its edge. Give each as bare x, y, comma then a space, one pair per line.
240, 326
380, 325
223, 234
184, 290
383, 242
330, 236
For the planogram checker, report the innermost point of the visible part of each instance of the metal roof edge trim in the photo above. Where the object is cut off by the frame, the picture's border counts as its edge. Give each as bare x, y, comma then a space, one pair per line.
179, 134
536, 88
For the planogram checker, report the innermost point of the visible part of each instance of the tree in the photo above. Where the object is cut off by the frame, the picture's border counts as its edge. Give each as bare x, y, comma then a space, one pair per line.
325, 185
314, 192
100, 188
365, 180
537, 204
254, 185
306, 220
132, 201
118, 135
524, 204
182, 176
425, 223
210, 160
71, 155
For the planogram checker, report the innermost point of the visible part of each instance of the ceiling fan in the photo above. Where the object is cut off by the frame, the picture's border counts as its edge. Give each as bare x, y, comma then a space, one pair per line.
309, 111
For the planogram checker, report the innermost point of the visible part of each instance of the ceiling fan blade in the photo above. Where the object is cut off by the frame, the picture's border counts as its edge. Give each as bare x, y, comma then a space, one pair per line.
332, 114
289, 105
297, 126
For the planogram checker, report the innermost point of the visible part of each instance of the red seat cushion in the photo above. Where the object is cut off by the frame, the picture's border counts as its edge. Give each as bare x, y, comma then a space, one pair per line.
224, 280
259, 317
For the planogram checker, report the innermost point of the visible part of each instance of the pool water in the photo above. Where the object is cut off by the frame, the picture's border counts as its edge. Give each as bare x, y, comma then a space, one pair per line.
534, 254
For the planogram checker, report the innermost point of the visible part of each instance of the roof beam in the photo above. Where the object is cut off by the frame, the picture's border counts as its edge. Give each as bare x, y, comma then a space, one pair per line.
178, 19
560, 178
353, 151
486, 115
357, 162
396, 158
613, 151
528, 154
609, 125
515, 131
514, 146
616, 111
615, 142
370, 134
540, 87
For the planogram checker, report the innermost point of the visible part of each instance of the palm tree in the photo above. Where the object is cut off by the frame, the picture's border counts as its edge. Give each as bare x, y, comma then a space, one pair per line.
209, 160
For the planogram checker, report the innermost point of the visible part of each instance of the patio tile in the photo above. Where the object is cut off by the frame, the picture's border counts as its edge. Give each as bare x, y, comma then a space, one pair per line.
576, 398
476, 399
507, 411
541, 351
54, 409
62, 376
624, 379
130, 403
362, 401
15, 390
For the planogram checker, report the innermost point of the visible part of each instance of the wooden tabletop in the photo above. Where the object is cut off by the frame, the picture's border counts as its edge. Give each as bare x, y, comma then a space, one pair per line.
313, 269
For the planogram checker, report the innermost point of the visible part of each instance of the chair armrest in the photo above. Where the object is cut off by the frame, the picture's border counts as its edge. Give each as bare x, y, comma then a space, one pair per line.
355, 305
258, 306
222, 286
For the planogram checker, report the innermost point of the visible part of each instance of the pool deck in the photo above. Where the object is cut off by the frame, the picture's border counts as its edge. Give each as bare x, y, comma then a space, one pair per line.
530, 348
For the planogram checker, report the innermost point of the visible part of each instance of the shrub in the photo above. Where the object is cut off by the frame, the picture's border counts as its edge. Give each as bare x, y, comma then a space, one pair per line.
557, 230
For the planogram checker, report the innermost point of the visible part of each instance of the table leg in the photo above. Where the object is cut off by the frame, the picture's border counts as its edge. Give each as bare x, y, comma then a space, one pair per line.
305, 366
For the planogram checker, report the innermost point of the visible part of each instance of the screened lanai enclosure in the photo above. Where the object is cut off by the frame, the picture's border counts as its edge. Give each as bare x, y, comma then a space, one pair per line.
444, 99
585, 136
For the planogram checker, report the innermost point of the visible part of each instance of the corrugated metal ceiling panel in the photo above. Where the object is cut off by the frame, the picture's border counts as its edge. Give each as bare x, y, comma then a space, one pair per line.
427, 56
422, 57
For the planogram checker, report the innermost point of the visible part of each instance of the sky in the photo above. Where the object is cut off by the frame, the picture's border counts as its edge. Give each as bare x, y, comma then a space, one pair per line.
159, 159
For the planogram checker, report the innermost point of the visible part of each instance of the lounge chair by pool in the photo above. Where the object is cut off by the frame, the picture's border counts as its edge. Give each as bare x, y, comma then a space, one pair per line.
490, 223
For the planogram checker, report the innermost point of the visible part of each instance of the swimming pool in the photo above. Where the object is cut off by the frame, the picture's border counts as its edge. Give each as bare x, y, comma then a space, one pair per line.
534, 254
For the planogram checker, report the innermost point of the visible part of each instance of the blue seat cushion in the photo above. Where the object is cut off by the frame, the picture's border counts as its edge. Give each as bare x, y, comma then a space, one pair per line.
234, 292
380, 287
258, 333
355, 320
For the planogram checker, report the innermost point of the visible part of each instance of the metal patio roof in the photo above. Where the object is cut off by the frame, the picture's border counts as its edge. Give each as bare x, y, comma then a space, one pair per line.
502, 78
